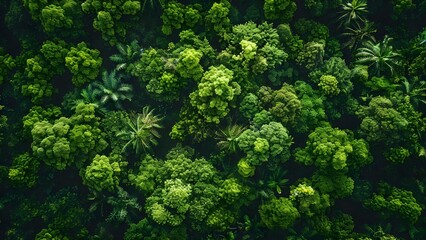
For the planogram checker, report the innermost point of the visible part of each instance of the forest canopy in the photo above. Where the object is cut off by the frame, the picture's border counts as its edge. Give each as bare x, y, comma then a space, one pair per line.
212, 119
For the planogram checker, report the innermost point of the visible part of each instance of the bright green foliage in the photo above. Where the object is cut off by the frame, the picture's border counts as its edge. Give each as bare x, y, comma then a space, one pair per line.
176, 16
50, 234
308, 201
174, 196
141, 130
336, 184
321, 7
50, 143
217, 18
101, 174
108, 16
24, 170
190, 124
283, 103
53, 17
379, 55
158, 71
250, 106
312, 112
256, 47
331, 148
381, 122
55, 53
282, 10
147, 176
278, 213
215, 93
189, 64
328, 85
186, 190
38, 114
39, 75
68, 139
232, 190
173, 17
311, 55
337, 68
112, 91
261, 118
260, 145
392, 201
7, 63
311, 31
84, 63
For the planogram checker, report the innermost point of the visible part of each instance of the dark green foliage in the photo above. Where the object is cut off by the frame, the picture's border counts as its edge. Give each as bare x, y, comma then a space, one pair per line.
392, 201
274, 119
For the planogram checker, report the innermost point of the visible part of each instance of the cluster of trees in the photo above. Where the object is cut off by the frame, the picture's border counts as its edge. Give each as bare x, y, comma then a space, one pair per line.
171, 119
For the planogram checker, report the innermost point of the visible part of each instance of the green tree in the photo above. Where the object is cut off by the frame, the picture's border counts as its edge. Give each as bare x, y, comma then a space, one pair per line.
111, 90
379, 55
141, 130
228, 137
278, 213
282, 10
215, 93
84, 63
127, 56
352, 11
101, 174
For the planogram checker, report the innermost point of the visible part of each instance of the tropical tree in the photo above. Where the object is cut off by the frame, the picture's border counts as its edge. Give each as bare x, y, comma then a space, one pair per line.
111, 89
358, 33
126, 57
151, 3
352, 11
415, 90
379, 55
142, 130
227, 137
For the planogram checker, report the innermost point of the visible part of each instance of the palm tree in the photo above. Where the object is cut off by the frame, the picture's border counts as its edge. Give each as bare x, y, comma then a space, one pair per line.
121, 205
126, 57
358, 33
227, 138
416, 91
380, 55
142, 130
352, 11
112, 90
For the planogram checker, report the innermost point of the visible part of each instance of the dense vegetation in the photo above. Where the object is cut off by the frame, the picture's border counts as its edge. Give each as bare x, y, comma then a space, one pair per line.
175, 119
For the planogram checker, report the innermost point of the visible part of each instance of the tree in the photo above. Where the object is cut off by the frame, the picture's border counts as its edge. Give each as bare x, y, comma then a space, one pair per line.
215, 93
228, 137
127, 56
379, 55
279, 9
141, 130
111, 90
278, 213
84, 63
101, 174
352, 11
